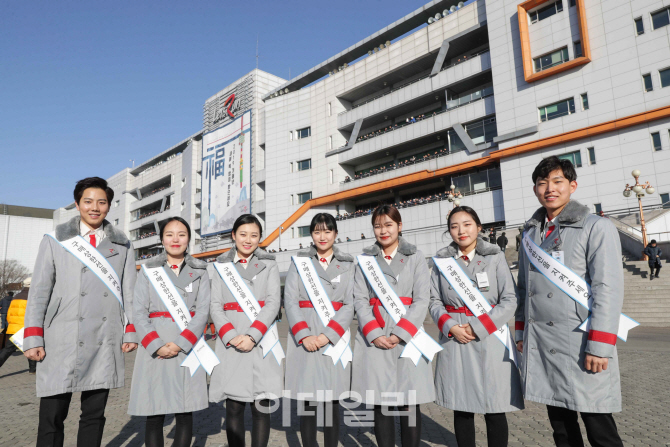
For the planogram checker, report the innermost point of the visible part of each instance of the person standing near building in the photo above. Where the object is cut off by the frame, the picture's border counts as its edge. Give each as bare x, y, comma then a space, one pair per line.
321, 273
79, 318
16, 310
502, 242
654, 253
568, 369
380, 376
475, 373
246, 297
161, 385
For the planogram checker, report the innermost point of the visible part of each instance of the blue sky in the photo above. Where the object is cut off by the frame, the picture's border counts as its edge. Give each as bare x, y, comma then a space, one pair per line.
87, 86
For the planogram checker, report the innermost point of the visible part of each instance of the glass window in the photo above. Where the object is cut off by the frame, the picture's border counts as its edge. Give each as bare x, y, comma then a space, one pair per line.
495, 179
552, 59
304, 133
574, 157
546, 12
462, 183
455, 142
304, 165
578, 49
665, 200
598, 207
482, 131
585, 101
648, 86
557, 110
639, 26
303, 231
656, 141
573, 3
592, 155
330, 109
661, 18
665, 77
330, 142
290, 135
304, 197
479, 180
116, 221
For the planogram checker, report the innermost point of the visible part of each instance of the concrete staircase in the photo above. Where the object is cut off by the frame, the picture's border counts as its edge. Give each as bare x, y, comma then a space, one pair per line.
647, 302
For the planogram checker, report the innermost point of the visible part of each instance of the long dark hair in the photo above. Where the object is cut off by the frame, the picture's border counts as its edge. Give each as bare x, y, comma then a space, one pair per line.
180, 220
247, 219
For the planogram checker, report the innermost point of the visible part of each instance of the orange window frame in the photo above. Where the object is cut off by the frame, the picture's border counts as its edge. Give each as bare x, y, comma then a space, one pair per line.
524, 35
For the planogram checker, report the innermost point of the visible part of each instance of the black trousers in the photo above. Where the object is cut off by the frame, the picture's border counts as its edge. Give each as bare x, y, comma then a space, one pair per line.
600, 428
53, 412
652, 268
9, 349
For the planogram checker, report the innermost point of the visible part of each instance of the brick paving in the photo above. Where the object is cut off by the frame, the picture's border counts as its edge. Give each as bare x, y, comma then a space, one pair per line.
645, 421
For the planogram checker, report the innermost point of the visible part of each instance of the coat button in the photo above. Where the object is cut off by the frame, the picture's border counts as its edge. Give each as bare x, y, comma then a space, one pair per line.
531, 321
83, 293
104, 294
81, 343
104, 318
99, 343
530, 294
552, 351
550, 295
81, 318
551, 323
83, 270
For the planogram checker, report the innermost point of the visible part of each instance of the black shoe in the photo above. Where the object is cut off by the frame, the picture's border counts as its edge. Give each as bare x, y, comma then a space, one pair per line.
651, 277
656, 276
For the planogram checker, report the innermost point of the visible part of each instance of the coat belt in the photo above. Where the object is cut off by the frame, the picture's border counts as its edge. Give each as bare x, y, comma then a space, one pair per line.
336, 304
375, 303
461, 310
164, 315
236, 306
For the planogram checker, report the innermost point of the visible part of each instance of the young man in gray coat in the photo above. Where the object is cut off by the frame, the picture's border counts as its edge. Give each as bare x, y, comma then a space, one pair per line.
75, 324
564, 367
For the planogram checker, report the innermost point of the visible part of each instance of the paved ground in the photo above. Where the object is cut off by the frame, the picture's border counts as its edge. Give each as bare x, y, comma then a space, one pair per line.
645, 421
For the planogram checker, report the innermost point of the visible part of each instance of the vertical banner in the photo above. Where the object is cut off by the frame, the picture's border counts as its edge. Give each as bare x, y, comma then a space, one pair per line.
226, 162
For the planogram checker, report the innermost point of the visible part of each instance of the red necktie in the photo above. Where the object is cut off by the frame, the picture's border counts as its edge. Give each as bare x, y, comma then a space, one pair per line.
174, 267
243, 261
550, 229
91, 238
323, 260
465, 258
387, 257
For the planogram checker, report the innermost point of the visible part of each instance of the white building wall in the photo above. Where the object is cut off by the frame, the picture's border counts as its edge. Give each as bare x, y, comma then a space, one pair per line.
20, 238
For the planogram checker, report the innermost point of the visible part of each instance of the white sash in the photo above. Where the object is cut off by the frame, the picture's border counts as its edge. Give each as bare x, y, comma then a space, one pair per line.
249, 304
201, 353
324, 308
571, 283
472, 298
95, 262
421, 343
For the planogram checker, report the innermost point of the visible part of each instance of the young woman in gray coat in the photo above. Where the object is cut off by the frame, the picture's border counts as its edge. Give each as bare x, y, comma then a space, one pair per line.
160, 384
311, 376
377, 367
474, 372
243, 374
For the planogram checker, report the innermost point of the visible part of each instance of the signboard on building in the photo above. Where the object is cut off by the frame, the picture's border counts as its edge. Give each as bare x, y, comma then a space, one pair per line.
226, 182
227, 105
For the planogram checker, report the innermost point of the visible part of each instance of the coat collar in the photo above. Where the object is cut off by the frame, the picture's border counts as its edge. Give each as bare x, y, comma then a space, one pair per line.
70, 229
404, 248
189, 260
255, 265
400, 260
573, 215
483, 248
337, 254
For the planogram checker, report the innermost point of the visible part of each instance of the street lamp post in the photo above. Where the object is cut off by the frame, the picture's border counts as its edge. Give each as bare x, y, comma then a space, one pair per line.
639, 189
453, 196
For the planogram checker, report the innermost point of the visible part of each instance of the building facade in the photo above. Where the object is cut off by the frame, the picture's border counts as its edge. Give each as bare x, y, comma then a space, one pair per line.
471, 94
21, 231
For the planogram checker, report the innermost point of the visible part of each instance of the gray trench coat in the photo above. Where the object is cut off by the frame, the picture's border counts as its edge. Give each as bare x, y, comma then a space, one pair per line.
547, 319
164, 386
246, 376
376, 371
80, 318
313, 373
477, 377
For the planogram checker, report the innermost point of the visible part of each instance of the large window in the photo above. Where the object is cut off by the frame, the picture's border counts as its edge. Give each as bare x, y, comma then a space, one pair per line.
478, 181
304, 165
660, 18
303, 231
665, 77
304, 133
648, 85
546, 12
551, 60
656, 141
304, 197
482, 131
557, 110
574, 157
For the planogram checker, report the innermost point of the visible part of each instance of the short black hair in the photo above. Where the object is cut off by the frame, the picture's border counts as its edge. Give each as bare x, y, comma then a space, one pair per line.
180, 220
92, 182
323, 220
247, 219
547, 165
